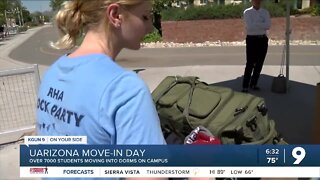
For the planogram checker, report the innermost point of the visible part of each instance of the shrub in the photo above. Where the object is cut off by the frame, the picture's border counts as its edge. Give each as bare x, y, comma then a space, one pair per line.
302, 11
22, 29
307, 10
315, 10
275, 9
203, 12
152, 37
32, 24
213, 11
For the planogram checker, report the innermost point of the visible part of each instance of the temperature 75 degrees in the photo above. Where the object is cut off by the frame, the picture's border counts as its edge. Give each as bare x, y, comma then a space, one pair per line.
272, 160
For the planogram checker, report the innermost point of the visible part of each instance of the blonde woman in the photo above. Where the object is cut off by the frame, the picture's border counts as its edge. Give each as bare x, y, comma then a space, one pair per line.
86, 92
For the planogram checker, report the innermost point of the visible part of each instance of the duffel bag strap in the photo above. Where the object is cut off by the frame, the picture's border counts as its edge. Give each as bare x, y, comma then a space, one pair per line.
177, 79
186, 125
156, 99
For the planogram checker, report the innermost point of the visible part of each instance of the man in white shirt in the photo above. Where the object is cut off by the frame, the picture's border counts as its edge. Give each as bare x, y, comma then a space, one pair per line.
257, 22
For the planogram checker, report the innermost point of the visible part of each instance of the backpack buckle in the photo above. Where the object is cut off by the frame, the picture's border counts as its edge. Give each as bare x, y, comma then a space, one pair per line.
263, 109
252, 123
240, 110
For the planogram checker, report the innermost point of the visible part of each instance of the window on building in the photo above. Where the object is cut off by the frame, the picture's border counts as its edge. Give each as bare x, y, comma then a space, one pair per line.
299, 4
203, 1
219, 2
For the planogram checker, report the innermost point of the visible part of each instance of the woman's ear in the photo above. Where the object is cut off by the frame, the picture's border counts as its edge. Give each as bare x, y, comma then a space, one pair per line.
114, 14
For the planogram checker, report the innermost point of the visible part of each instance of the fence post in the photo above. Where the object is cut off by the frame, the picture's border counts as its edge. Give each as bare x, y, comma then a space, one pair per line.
316, 123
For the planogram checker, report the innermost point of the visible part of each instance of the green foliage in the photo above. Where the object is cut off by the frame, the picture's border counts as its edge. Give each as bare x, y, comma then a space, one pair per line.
275, 9
2, 21
26, 14
22, 29
203, 12
283, 4
5, 5
312, 10
213, 11
315, 10
11, 7
308, 10
40, 18
32, 24
56, 4
160, 5
152, 37
301, 11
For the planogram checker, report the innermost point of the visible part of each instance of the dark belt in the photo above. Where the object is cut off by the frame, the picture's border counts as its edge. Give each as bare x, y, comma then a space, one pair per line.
257, 36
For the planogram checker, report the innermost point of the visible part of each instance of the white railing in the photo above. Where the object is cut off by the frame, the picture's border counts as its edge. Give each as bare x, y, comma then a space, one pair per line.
18, 92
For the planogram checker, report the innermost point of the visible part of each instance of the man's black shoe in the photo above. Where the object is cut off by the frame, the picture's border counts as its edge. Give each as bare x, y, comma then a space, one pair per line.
245, 90
256, 88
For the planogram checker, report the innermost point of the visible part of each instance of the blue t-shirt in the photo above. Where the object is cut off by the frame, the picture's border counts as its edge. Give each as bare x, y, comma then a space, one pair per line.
93, 96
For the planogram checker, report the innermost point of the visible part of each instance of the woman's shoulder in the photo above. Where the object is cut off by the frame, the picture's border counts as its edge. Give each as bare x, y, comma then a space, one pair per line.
92, 66
126, 87
129, 79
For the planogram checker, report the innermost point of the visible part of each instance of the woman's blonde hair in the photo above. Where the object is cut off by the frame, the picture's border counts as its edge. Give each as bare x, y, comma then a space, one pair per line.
77, 16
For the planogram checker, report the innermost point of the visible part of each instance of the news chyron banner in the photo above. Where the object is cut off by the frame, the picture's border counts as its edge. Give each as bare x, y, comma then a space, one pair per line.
71, 156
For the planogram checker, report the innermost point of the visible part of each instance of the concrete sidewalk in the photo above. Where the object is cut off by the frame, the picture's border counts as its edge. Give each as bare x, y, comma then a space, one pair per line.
9, 154
293, 112
12, 42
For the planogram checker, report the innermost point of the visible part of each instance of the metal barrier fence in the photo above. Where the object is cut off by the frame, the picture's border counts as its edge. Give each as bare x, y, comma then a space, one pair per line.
18, 92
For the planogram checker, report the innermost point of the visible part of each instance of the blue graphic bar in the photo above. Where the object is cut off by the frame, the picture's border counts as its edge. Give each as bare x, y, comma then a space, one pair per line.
170, 155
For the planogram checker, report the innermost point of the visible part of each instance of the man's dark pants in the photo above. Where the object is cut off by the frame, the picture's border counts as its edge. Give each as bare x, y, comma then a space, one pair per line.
257, 47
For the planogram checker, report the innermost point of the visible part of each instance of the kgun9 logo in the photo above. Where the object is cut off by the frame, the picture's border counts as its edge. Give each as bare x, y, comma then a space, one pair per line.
298, 153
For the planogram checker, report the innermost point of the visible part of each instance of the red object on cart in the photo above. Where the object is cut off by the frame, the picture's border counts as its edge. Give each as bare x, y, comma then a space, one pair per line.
201, 135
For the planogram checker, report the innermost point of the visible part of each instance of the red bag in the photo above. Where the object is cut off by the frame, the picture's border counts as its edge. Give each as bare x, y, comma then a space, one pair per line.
201, 135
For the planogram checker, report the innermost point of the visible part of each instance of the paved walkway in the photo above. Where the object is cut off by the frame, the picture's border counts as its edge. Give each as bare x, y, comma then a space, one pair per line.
9, 154
12, 42
293, 112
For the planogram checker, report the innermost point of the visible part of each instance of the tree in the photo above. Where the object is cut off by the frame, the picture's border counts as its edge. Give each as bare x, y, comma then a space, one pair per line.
11, 8
4, 5
158, 6
37, 17
56, 4
26, 15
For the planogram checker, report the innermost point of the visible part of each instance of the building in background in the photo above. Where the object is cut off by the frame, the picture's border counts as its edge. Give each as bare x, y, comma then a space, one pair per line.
219, 2
301, 4
297, 4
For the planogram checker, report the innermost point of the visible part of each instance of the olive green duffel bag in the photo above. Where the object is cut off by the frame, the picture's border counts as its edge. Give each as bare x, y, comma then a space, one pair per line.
184, 103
